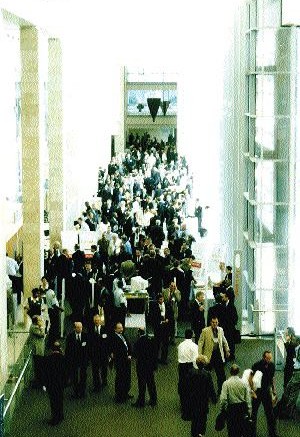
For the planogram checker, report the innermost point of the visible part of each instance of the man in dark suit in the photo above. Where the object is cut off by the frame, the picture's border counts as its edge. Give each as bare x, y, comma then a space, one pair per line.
162, 317
64, 268
120, 349
97, 261
77, 359
201, 390
138, 260
229, 321
264, 393
78, 258
98, 353
197, 315
55, 382
217, 310
145, 354
156, 233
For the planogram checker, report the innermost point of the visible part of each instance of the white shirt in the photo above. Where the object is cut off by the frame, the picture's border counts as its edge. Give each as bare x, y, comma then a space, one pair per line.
119, 297
84, 226
12, 266
162, 308
187, 352
51, 299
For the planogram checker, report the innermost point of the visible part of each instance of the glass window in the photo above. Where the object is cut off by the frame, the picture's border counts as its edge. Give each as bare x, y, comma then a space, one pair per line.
264, 134
269, 13
265, 47
290, 12
265, 274
264, 193
265, 95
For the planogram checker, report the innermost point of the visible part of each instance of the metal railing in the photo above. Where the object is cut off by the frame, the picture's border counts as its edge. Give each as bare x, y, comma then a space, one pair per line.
13, 389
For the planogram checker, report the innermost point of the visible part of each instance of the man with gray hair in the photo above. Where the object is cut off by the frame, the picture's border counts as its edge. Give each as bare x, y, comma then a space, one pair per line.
235, 399
201, 390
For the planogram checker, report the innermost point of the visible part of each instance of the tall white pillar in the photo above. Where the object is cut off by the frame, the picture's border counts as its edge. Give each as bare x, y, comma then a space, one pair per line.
56, 197
33, 140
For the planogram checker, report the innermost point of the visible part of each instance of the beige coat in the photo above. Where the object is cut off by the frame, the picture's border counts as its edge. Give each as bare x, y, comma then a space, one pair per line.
206, 343
37, 339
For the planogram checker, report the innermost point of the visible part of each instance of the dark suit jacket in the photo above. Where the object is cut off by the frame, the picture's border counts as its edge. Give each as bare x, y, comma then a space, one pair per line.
77, 353
78, 258
145, 354
64, 266
230, 318
201, 390
218, 311
156, 315
55, 372
119, 349
98, 345
197, 317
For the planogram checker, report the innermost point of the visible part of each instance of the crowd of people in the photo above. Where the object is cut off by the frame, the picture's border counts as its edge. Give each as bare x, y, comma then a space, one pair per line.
139, 217
139, 220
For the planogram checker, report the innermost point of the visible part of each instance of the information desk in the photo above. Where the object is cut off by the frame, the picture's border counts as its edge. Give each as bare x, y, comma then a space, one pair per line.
137, 302
137, 308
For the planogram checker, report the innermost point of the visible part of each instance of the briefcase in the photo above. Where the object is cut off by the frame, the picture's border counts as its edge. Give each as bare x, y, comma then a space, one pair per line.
220, 420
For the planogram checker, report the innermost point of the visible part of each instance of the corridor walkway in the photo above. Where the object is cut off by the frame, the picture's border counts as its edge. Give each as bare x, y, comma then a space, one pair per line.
98, 415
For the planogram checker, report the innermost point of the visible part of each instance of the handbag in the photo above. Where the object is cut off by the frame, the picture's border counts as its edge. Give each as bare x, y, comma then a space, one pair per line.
221, 420
248, 430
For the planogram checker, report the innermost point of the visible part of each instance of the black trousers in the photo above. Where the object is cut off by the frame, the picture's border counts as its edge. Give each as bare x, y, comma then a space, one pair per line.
17, 287
99, 372
146, 380
78, 380
54, 330
198, 425
123, 380
161, 336
183, 369
216, 363
56, 399
264, 397
236, 420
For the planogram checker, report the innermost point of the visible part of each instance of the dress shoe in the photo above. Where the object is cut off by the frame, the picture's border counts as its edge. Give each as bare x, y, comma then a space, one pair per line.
138, 405
53, 422
152, 403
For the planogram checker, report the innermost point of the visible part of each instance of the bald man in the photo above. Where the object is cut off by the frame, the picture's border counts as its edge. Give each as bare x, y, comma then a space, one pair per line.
77, 359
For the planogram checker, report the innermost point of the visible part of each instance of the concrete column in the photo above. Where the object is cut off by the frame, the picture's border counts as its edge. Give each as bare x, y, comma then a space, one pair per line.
55, 141
33, 131
3, 292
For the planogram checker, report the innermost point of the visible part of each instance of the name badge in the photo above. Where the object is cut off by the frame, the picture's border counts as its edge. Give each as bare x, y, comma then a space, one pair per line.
104, 335
83, 343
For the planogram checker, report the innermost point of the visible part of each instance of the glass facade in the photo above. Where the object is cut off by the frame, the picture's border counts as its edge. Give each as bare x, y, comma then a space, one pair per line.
271, 160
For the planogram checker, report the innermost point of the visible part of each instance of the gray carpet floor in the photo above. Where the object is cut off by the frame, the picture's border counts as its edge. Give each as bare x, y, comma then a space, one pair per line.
98, 415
